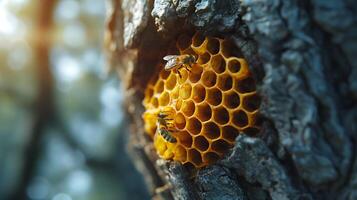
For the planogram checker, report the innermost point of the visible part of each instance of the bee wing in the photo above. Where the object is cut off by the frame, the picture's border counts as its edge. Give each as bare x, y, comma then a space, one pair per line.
172, 62
170, 57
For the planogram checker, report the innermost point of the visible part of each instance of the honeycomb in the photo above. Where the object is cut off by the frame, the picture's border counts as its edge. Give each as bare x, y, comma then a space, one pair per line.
209, 106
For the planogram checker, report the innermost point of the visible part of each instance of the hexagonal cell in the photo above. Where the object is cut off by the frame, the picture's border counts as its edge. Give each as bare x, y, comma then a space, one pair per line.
188, 108
210, 157
245, 85
155, 102
220, 115
185, 91
171, 81
220, 146
231, 99
199, 93
180, 121
194, 126
240, 118
213, 46
195, 74
185, 138
214, 96
234, 65
211, 130
225, 82
228, 49
175, 93
218, 64
164, 74
178, 104
203, 59
251, 102
189, 166
204, 112
195, 157
184, 75
183, 42
164, 99
252, 131
209, 78
149, 93
229, 133
198, 39
201, 143
159, 87
180, 153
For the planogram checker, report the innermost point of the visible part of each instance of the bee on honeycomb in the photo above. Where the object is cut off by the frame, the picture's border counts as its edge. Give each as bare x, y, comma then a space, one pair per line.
176, 62
210, 104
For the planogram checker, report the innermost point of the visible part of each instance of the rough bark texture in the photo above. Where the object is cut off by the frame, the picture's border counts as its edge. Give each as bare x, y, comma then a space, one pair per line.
301, 54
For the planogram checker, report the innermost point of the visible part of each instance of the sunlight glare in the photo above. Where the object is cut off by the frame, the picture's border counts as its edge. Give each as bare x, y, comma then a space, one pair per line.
68, 68
111, 99
9, 23
74, 35
62, 196
67, 10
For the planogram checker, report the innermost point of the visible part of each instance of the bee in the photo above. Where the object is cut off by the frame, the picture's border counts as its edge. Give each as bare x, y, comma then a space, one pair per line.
164, 127
162, 120
167, 135
176, 62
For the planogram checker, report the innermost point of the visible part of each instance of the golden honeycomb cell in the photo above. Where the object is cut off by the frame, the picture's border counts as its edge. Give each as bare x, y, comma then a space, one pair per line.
220, 146
194, 126
185, 90
218, 64
201, 143
229, 133
214, 96
209, 106
198, 93
203, 112
159, 87
204, 58
211, 130
232, 100
188, 108
195, 74
213, 46
171, 82
225, 82
186, 139
240, 118
209, 79
180, 121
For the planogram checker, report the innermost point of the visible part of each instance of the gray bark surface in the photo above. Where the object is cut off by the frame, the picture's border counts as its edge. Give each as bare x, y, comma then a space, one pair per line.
302, 56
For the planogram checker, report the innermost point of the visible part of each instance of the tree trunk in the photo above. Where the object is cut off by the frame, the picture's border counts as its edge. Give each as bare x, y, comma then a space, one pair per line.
301, 55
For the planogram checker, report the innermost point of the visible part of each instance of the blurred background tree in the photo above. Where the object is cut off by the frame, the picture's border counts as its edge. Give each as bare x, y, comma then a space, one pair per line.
61, 124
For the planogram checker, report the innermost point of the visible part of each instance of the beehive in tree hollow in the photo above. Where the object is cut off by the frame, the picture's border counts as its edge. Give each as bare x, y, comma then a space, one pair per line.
209, 106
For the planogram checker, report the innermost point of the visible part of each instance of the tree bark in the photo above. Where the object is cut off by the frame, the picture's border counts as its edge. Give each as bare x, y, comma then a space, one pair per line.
302, 56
